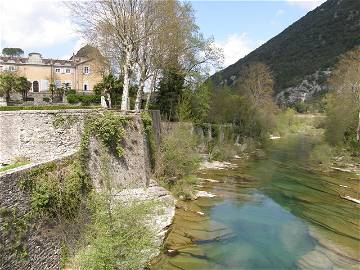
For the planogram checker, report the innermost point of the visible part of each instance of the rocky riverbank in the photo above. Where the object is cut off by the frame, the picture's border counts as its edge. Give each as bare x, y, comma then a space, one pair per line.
162, 215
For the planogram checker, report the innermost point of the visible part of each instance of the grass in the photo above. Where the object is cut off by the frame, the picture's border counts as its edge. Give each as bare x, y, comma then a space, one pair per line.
48, 107
13, 166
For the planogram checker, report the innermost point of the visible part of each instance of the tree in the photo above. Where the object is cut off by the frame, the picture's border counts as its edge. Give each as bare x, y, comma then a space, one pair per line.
110, 86
12, 52
184, 51
145, 38
201, 101
8, 83
116, 28
23, 86
257, 84
170, 88
343, 108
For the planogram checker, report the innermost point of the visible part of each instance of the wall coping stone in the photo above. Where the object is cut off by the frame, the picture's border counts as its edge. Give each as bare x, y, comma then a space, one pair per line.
28, 167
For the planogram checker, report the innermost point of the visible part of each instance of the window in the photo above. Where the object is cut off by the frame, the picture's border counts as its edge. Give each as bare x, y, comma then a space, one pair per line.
86, 87
86, 70
68, 71
58, 84
57, 70
12, 68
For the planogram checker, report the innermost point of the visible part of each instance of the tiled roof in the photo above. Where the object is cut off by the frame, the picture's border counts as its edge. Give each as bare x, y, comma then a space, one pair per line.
21, 60
13, 59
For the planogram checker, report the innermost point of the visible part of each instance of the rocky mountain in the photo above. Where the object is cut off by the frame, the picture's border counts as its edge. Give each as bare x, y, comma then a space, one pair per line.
302, 56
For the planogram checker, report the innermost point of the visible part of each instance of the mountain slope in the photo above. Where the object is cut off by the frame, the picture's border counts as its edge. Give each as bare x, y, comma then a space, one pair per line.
311, 44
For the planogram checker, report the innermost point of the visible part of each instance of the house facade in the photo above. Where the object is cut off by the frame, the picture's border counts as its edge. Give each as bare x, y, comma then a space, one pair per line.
81, 72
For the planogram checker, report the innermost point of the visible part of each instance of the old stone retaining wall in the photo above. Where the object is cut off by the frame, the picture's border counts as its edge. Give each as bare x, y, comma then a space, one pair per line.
40, 135
43, 246
48, 136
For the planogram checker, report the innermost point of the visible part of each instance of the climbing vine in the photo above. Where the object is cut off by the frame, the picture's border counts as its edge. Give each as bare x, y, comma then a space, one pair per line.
109, 128
14, 228
56, 190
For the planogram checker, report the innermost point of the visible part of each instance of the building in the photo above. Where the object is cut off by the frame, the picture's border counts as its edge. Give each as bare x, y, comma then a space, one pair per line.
82, 71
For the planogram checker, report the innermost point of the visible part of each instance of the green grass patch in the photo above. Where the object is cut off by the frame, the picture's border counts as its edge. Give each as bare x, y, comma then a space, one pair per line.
13, 166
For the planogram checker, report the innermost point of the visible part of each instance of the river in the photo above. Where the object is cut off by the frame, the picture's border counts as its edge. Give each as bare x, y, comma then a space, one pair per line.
268, 213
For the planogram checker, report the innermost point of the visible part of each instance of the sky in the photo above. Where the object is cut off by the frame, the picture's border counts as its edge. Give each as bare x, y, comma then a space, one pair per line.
238, 27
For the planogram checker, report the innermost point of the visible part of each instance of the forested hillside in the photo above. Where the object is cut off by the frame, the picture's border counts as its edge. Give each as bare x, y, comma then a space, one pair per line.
311, 44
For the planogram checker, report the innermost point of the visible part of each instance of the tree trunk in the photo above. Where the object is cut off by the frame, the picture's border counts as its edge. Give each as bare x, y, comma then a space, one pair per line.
125, 95
139, 95
140, 91
358, 130
8, 96
152, 87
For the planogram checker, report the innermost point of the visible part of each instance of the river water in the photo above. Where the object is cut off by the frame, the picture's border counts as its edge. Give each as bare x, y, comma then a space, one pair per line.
269, 213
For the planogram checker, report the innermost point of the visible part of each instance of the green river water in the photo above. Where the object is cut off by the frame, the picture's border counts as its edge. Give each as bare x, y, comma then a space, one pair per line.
269, 213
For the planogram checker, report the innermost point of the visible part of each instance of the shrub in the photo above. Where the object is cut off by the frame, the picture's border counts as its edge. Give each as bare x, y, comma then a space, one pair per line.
116, 238
57, 190
184, 187
321, 154
222, 152
178, 156
177, 160
73, 98
85, 100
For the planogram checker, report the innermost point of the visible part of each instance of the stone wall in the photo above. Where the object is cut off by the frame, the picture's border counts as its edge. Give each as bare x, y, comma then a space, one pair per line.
47, 136
42, 245
132, 170
40, 135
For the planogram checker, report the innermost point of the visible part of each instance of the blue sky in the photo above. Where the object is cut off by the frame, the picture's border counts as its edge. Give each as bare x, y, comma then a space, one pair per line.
237, 26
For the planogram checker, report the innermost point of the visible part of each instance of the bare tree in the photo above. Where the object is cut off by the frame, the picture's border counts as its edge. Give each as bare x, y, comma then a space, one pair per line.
346, 82
113, 27
144, 37
257, 84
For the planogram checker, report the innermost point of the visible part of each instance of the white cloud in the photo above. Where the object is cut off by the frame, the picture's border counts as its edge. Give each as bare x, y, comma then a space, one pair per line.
235, 47
280, 12
31, 23
306, 4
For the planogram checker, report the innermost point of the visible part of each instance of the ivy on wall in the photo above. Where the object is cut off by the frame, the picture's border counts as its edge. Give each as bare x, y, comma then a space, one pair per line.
109, 128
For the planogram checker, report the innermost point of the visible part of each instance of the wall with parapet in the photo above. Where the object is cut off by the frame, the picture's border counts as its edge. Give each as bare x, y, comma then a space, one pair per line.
47, 136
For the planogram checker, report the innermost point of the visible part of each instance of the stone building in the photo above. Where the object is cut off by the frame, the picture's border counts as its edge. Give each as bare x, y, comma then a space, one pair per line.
82, 71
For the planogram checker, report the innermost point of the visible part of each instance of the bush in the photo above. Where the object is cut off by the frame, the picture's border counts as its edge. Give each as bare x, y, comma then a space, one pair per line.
85, 100
321, 154
222, 152
184, 187
116, 238
177, 161
57, 190
177, 156
284, 121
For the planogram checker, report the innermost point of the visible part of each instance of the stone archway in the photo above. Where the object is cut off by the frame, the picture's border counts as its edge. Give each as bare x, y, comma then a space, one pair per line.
35, 86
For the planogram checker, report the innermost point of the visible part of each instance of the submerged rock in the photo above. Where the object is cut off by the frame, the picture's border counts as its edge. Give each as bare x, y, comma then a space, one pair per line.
204, 194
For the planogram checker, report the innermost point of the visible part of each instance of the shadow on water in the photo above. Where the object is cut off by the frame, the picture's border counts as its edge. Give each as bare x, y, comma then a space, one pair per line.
271, 213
